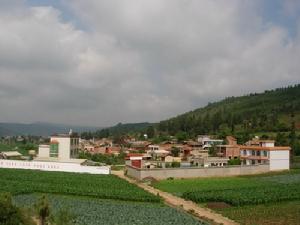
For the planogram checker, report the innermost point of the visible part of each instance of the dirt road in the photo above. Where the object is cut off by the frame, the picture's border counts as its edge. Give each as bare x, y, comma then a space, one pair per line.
175, 201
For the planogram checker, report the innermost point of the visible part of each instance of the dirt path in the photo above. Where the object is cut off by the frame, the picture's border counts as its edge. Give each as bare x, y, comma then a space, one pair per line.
174, 201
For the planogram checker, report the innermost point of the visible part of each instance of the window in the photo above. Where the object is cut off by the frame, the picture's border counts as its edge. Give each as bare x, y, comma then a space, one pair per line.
245, 152
265, 153
54, 150
253, 152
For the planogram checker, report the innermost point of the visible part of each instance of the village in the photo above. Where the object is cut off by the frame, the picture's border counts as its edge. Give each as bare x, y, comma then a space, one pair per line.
204, 152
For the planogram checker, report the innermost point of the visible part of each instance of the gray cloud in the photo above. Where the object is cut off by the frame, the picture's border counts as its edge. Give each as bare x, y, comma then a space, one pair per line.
136, 60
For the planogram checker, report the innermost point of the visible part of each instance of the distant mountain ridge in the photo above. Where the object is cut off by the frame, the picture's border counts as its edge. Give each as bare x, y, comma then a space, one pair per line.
41, 129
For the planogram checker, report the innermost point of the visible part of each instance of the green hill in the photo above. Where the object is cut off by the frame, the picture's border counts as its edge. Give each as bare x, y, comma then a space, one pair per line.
272, 111
272, 114
117, 130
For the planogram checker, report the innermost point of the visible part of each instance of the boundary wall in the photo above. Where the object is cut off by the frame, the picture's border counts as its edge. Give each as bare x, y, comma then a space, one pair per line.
194, 172
54, 166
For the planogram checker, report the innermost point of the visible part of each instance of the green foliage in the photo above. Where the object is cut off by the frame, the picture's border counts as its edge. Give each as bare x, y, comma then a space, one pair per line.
274, 213
248, 196
175, 164
63, 217
212, 151
150, 132
43, 209
104, 158
98, 186
160, 138
268, 111
237, 191
10, 214
182, 136
175, 151
117, 130
86, 211
234, 161
20, 147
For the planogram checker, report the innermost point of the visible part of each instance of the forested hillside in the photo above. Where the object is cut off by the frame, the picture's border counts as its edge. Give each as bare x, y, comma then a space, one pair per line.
117, 130
275, 110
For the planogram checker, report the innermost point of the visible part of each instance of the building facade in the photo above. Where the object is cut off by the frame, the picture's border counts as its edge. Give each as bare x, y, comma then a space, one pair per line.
62, 147
277, 157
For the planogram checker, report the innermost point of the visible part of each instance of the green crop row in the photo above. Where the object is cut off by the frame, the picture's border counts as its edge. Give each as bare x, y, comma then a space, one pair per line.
99, 186
247, 196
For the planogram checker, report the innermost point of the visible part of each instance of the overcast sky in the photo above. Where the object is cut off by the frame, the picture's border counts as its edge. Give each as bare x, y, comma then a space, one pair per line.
100, 62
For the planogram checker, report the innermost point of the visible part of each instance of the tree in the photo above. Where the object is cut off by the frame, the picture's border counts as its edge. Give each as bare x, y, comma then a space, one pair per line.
12, 215
150, 132
234, 161
181, 136
281, 139
213, 150
43, 209
175, 151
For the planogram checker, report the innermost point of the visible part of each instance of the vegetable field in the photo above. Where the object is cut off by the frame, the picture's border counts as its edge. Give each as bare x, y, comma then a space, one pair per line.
247, 196
98, 186
111, 212
237, 191
269, 214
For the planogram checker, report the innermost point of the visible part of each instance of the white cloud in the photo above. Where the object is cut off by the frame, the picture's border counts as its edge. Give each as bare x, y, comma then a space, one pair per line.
136, 60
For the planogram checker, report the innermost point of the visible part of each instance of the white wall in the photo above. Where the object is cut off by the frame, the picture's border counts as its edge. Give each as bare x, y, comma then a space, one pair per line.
268, 144
44, 151
279, 160
54, 166
194, 172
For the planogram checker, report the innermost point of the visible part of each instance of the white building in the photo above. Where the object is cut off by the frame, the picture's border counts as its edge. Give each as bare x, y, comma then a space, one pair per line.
207, 142
277, 157
62, 147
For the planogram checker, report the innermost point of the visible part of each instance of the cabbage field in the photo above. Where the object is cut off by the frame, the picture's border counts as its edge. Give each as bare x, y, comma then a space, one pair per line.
111, 212
92, 199
99, 186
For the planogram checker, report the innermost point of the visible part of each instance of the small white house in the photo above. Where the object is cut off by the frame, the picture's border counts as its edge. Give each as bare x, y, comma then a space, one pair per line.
62, 147
277, 157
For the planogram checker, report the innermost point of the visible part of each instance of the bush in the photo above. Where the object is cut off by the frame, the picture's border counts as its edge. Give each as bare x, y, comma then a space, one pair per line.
175, 164
234, 161
10, 214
